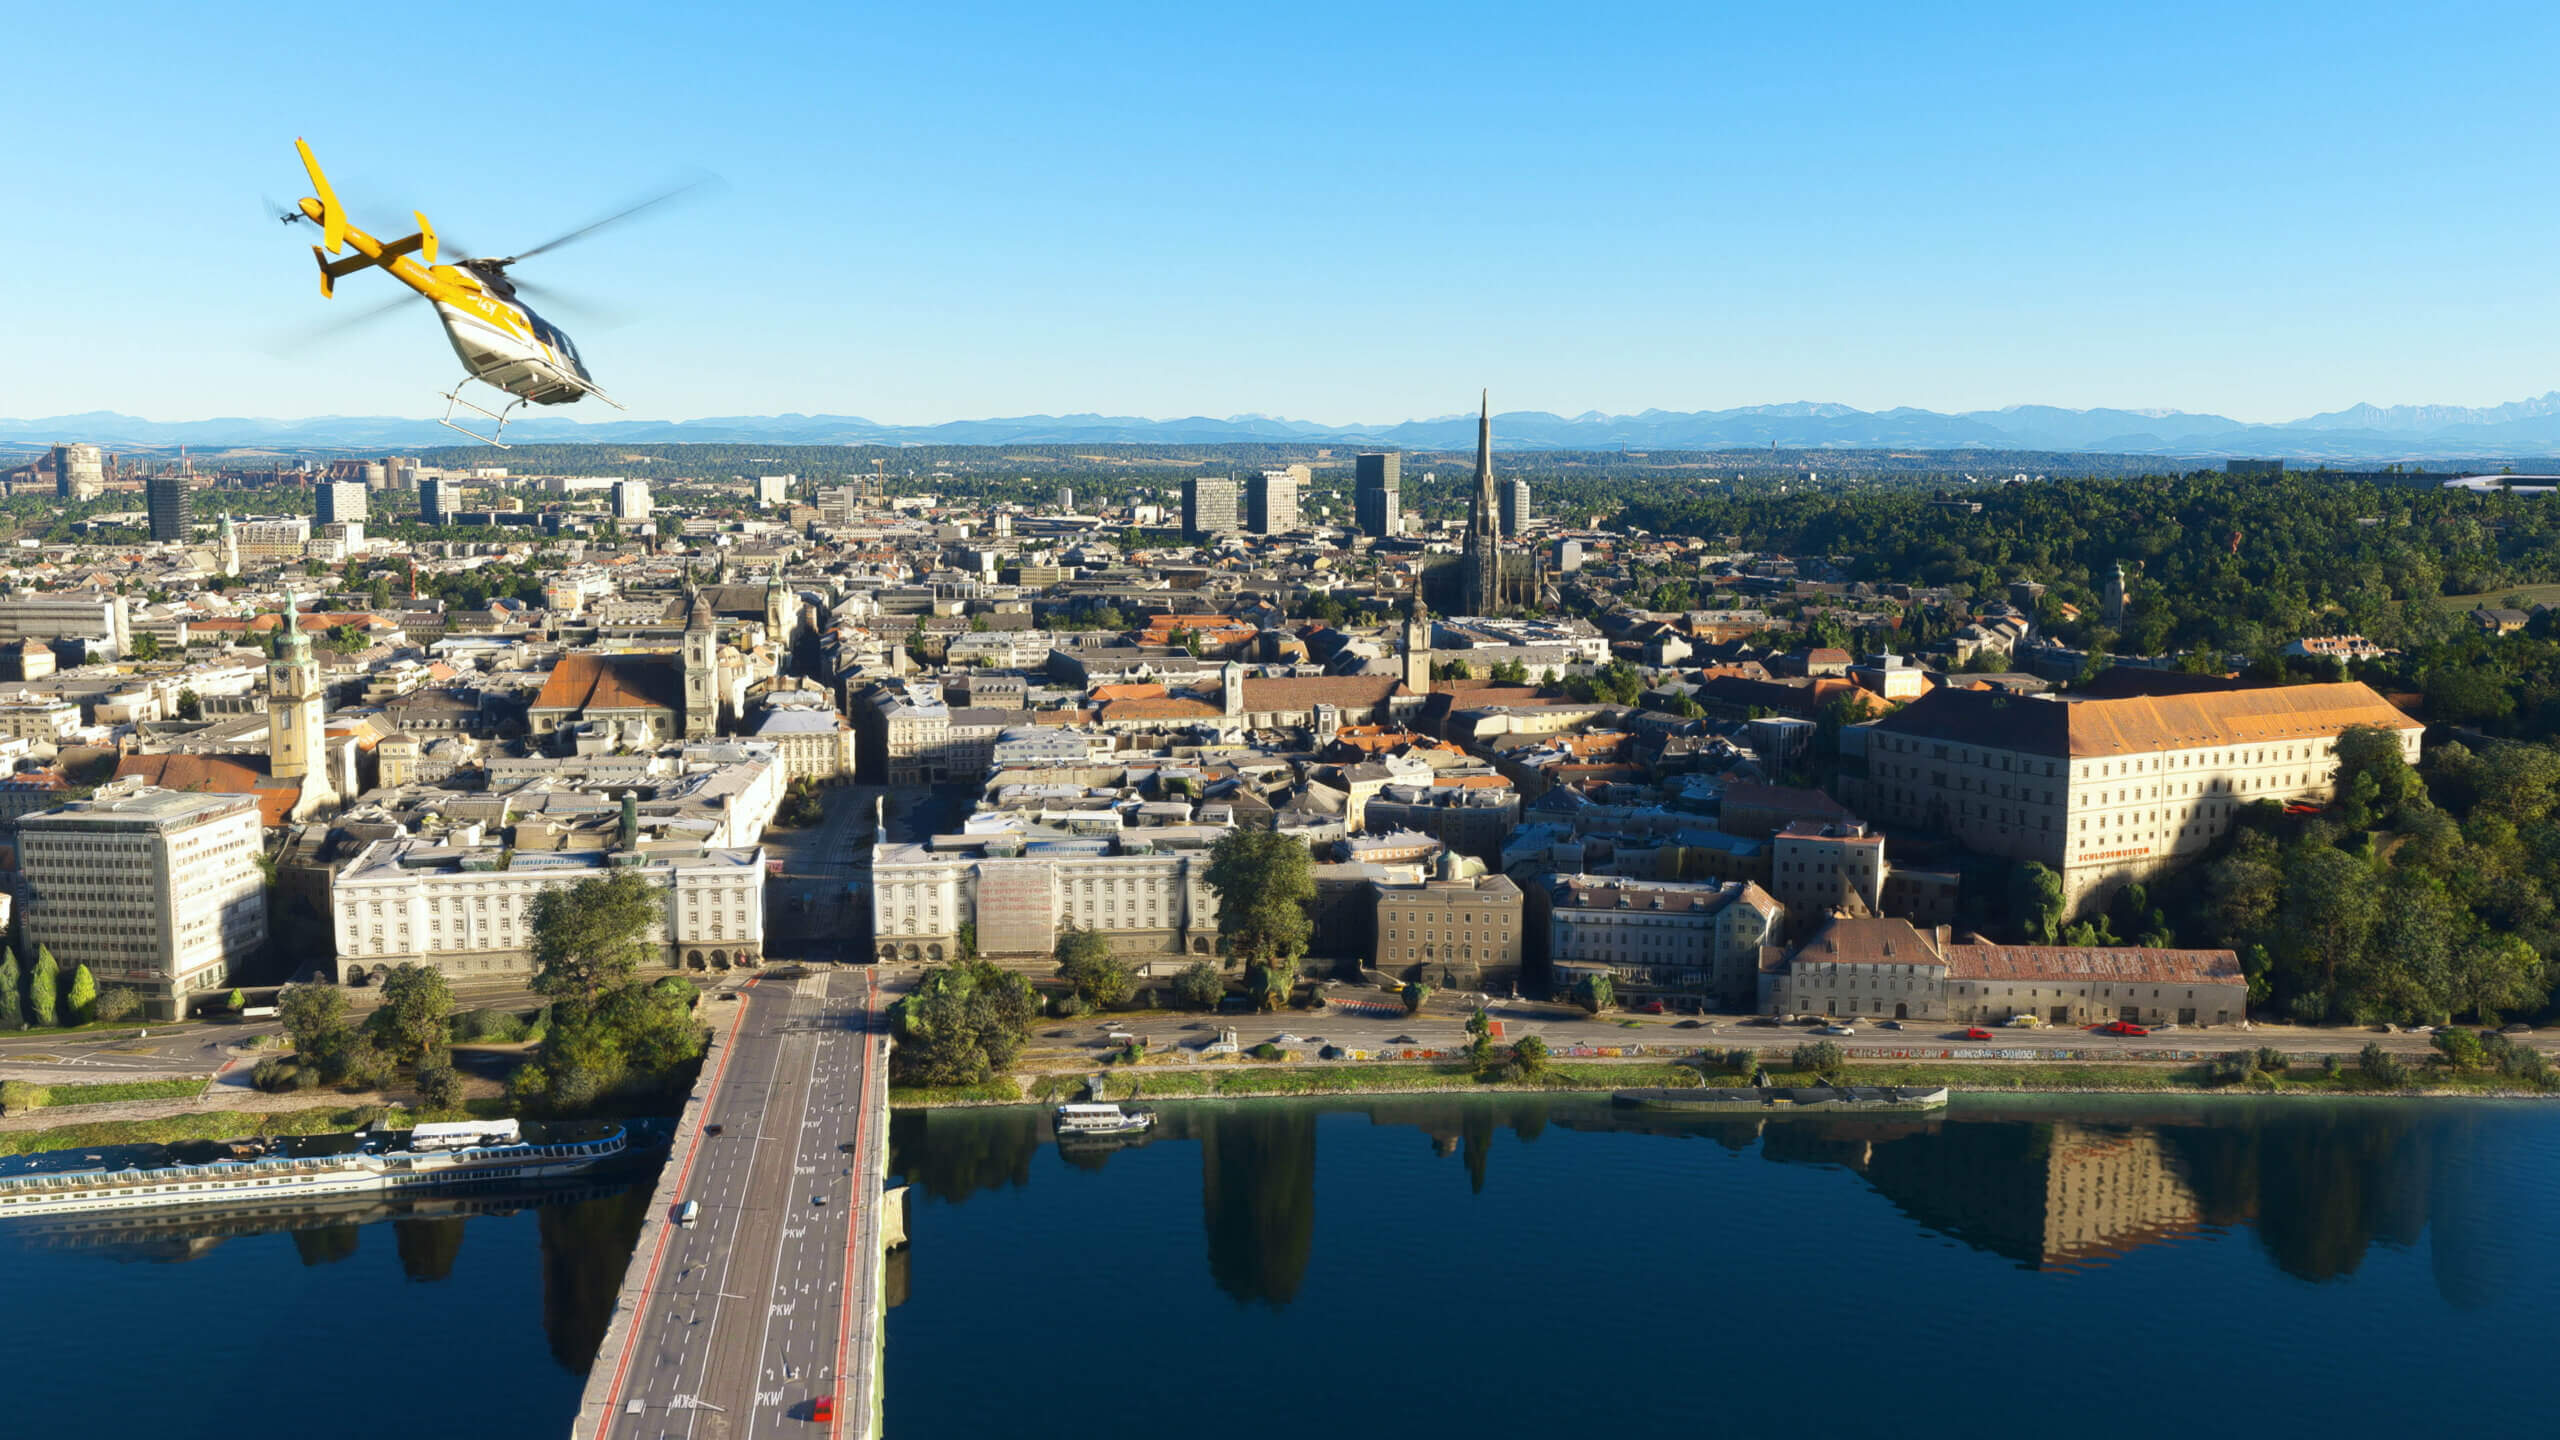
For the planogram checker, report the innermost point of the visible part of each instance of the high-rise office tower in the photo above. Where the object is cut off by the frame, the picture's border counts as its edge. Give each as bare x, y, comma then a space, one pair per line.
1378, 483
1515, 508
169, 503
437, 500
341, 501
1271, 502
1210, 505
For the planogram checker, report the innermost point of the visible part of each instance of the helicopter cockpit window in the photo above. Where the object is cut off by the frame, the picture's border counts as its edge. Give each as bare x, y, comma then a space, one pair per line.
552, 335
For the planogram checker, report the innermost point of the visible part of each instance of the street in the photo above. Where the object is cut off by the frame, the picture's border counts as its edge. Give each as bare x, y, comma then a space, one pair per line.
1369, 1019
751, 1309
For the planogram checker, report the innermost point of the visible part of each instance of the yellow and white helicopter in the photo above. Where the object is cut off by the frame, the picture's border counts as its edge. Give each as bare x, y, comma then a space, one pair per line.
501, 342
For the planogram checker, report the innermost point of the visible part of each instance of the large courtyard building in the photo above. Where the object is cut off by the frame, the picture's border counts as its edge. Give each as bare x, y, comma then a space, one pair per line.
467, 909
1662, 937
156, 890
2106, 791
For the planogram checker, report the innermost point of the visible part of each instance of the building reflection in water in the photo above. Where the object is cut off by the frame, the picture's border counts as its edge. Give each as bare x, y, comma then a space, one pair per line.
2317, 1184
587, 1233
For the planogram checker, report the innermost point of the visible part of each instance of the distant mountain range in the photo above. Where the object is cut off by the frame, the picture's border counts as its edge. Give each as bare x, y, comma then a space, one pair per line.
2359, 433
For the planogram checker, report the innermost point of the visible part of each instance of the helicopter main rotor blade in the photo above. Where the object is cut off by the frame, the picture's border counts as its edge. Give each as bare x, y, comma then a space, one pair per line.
339, 329
575, 307
615, 218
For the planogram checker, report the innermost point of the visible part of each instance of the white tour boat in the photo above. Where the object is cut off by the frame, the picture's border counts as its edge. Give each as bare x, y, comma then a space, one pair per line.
1075, 1120
367, 1161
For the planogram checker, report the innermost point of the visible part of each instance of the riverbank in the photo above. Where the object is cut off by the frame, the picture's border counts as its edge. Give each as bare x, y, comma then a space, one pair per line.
1419, 1077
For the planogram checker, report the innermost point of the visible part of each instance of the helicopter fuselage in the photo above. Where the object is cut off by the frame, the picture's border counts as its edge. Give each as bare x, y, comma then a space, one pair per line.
498, 339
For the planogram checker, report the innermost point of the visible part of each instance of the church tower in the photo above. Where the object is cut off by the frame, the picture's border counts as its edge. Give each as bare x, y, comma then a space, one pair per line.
1417, 647
700, 662
1483, 562
781, 616
297, 721
230, 546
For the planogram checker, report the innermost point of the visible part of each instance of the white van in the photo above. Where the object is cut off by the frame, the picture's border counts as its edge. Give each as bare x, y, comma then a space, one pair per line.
686, 1212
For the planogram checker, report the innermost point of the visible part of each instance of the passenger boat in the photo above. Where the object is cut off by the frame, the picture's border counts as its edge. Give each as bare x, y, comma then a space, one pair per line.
431, 1156
1075, 1121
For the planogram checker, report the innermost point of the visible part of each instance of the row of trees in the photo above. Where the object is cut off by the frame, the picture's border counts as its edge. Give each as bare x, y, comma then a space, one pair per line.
605, 1033
45, 995
2415, 896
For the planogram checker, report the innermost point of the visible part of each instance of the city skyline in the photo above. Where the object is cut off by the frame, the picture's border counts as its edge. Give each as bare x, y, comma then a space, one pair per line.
1004, 212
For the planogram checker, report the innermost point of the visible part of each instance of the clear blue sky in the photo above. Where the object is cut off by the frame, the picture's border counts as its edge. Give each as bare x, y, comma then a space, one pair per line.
1344, 213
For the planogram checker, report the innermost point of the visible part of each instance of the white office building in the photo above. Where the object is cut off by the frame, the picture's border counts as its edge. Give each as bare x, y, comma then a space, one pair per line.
158, 890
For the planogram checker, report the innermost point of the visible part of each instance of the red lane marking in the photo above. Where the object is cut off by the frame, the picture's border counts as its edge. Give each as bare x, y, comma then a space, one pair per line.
659, 1251
853, 1227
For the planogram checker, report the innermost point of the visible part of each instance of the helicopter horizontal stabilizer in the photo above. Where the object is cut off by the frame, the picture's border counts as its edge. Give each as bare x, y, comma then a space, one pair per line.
332, 271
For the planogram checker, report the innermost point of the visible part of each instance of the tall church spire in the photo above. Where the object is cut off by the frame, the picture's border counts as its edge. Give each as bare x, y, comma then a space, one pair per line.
1484, 523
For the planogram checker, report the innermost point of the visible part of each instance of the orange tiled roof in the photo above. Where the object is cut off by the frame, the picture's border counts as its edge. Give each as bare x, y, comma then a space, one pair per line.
587, 681
218, 775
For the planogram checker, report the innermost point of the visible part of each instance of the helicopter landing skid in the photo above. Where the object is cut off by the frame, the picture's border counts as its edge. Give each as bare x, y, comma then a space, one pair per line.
454, 400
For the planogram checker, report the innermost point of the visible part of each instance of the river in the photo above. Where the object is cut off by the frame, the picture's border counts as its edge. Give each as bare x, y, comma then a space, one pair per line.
1435, 1265
1515, 1266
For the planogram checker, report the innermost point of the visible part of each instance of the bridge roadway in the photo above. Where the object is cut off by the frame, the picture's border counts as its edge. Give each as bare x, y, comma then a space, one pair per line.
732, 1327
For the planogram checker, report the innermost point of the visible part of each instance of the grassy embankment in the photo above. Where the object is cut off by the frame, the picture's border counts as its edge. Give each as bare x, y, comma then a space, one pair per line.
234, 1125
1408, 1077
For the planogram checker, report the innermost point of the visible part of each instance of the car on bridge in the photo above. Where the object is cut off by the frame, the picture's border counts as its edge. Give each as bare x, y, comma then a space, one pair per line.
2121, 1027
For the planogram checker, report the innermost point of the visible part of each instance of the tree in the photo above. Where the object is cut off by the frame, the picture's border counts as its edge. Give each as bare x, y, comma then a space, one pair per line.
1414, 995
119, 1002
1085, 960
315, 1019
146, 647
1528, 1058
82, 998
1818, 1057
1479, 1040
44, 990
439, 1084
416, 1009
590, 937
1595, 991
1199, 986
2035, 897
964, 944
1264, 883
238, 1002
190, 705
2460, 1048
962, 1024
2496, 975
13, 1014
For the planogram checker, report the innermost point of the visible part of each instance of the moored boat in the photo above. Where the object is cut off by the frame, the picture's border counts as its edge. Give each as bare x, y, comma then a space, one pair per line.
432, 1156
1078, 1121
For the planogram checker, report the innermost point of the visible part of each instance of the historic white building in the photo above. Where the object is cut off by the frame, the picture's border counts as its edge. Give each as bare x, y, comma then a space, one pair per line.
2109, 790
467, 910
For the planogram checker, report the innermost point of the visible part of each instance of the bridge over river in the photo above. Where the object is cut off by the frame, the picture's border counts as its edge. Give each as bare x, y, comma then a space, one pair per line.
744, 1321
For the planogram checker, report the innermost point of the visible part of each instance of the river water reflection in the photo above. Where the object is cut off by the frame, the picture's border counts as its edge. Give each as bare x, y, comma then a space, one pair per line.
470, 1314
1507, 1264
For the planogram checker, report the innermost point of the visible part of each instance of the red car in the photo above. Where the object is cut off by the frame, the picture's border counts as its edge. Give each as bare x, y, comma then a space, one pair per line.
1977, 1033
2123, 1027
823, 1409
1650, 1007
